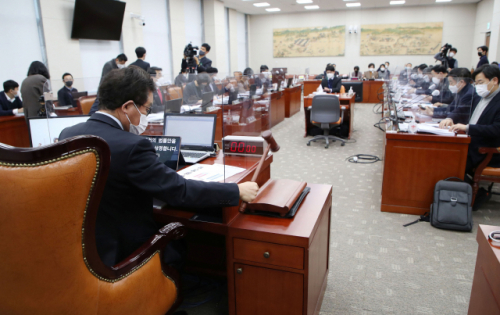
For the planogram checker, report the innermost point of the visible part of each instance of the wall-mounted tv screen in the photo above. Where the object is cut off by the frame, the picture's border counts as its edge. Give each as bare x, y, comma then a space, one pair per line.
98, 19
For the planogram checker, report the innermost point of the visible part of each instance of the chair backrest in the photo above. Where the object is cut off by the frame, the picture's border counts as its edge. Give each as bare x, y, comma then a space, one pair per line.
86, 103
342, 89
325, 109
174, 92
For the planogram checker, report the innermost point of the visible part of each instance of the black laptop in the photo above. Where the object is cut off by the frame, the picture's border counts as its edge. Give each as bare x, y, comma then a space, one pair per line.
173, 106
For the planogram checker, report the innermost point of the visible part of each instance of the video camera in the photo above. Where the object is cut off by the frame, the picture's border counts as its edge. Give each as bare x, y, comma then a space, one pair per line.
445, 50
190, 52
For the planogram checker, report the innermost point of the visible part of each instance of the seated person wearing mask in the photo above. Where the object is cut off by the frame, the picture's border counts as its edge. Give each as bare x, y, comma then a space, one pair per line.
356, 74
158, 104
10, 103
136, 176
182, 78
193, 91
405, 75
64, 95
371, 73
263, 77
458, 111
484, 124
332, 83
212, 86
382, 72
439, 91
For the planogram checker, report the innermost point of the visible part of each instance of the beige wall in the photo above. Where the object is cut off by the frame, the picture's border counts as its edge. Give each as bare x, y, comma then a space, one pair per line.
215, 28
483, 16
494, 54
233, 40
458, 30
178, 33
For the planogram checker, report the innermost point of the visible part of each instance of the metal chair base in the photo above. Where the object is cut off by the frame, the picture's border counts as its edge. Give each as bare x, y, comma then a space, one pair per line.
326, 138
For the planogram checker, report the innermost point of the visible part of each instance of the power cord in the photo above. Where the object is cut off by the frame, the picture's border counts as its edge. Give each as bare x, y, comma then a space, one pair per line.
361, 158
377, 108
377, 125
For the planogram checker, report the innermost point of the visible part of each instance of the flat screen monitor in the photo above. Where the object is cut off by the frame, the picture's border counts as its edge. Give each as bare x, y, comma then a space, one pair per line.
98, 19
197, 131
45, 131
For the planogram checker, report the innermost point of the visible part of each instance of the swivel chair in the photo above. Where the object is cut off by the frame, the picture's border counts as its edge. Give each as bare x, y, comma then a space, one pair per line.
485, 173
326, 114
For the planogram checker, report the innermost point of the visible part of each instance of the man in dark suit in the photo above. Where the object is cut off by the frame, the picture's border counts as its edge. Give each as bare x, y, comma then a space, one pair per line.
439, 91
193, 91
484, 124
212, 86
204, 61
65, 94
263, 78
141, 56
136, 176
482, 51
117, 63
331, 83
10, 103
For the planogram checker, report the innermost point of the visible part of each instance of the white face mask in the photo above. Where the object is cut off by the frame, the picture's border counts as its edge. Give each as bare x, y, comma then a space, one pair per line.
452, 54
482, 90
330, 76
426, 79
120, 66
382, 69
435, 80
454, 89
408, 68
143, 124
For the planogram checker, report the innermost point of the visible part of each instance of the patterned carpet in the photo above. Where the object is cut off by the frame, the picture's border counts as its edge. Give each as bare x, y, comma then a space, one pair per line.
376, 265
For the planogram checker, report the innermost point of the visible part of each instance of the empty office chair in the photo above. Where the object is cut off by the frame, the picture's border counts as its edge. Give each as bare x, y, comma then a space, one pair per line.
50, 265
174, 92
326, 114
86, 103
485, 173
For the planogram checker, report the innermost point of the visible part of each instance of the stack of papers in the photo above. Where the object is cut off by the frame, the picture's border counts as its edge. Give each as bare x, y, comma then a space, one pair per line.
210, 173
428, 128
188, 108
157, 117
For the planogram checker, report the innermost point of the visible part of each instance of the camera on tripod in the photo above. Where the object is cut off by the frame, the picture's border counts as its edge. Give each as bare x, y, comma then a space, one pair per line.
190, 52
445, 50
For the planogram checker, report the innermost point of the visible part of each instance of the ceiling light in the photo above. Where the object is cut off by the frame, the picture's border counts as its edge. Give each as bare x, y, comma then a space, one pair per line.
261, 4
397, 2
304, 1
273, 10
311, 7
443, 0
354, 4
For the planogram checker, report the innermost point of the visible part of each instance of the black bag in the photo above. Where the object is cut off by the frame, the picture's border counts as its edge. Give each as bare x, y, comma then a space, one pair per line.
451, 209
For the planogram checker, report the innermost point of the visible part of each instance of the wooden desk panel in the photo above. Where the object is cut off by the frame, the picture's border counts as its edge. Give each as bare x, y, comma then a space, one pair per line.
277, 108
310, 86
370, 91
14, 131
485, 294
292, 100
345, 101
413, 164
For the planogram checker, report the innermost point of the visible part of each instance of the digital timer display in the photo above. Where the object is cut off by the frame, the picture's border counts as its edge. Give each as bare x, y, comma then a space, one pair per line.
243, 147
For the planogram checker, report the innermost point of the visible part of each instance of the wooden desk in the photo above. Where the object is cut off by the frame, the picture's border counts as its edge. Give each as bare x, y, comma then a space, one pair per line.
413, 164
298, 250
346, 102
292, 100
277, 108
14, 131
371, 90
310, 86
485, 294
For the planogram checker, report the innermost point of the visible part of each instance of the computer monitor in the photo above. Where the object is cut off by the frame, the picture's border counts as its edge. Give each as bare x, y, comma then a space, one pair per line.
77, 95
173, 106
45, 131
197, 131
207, 100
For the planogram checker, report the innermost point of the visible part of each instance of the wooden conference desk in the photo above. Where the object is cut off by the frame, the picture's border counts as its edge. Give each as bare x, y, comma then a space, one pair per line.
273, 266
14, 131
346, 102
277, 108
371, 90
292, 100
310, 86
485, 295
413, 164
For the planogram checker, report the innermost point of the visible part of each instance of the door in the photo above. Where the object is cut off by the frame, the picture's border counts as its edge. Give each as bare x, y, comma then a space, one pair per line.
266, 291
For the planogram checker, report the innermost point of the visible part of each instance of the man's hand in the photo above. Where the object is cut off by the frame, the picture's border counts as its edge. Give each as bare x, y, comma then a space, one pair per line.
327, 90
458, 127
20, 110
429, 111
197, 61
445, 123
428, 98
248, 191
412, 91
438, 104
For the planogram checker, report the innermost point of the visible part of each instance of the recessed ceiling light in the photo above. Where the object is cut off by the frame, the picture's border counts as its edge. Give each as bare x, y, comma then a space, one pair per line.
273, 10
261, 4
354, 4
443, 0
397, 2
304, 1
311, 7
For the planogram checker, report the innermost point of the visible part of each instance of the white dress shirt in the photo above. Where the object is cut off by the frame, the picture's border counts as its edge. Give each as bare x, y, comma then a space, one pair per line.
113, 117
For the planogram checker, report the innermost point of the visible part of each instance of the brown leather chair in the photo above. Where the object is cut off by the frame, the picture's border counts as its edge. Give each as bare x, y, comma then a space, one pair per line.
50, 265
86, 103
174, 92
485, 173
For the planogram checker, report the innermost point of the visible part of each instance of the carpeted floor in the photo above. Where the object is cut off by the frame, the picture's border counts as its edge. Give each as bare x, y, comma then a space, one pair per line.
376, 265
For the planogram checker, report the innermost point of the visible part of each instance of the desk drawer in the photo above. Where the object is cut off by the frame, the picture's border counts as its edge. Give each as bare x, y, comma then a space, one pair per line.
269, 253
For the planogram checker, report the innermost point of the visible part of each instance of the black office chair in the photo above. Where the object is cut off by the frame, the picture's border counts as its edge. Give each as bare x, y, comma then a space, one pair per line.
326, 114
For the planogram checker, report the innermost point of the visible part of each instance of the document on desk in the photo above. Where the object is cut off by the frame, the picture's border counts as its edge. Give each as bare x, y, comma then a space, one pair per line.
156, 117
189, 108
434, 129
210, 173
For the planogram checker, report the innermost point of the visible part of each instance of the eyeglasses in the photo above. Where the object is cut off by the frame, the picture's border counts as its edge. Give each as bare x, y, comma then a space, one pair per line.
148, 109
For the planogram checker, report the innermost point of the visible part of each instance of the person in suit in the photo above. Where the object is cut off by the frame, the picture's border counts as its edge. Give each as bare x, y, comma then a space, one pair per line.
382, 72
458, 111
117, 63
212, 86
32, 88
482, 52
204, 61
10, 103
484, 124
356, 74
141, 56
193, 91
182, 78
331, 83
263, 78
371, 73
158, 105
136, 176
65, 94
439, 91
405, 75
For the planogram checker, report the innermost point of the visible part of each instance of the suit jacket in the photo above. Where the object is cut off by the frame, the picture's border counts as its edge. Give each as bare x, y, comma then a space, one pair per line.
483, 61
191, 93
205, 62
31, 90
459, 110
371, 75
335, 84
405, 76
383, 75
7, 106
141, 64
359, 76
65, 98
158, 102
445, 96
136, 176
108, 66
486, 133
180, 80
258, 82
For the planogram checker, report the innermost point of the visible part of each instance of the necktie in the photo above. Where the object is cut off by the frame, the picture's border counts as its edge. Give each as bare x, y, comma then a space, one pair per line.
159, 94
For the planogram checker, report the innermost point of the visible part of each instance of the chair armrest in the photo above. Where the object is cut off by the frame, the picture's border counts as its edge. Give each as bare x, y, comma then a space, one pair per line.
171, 231
485, 150
342, 115
485, 162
